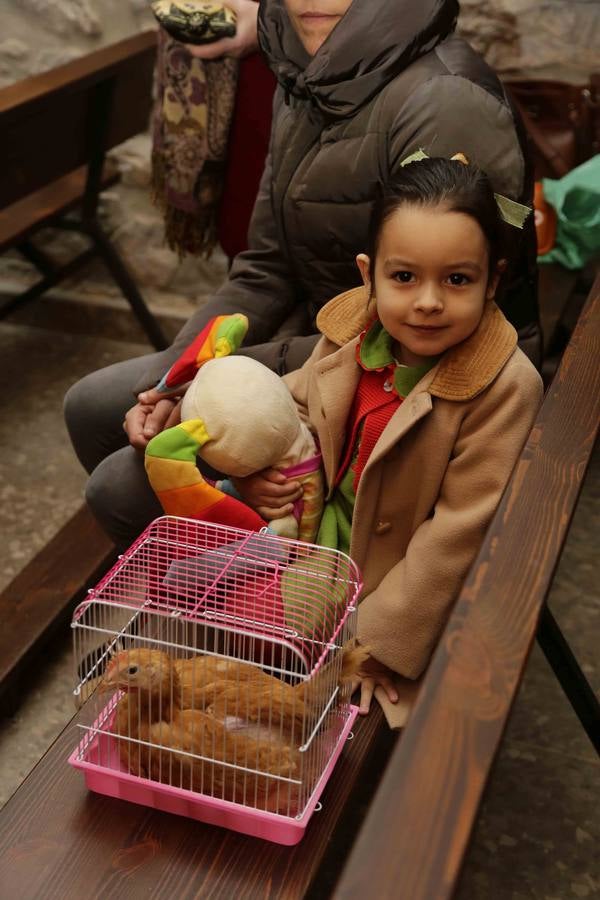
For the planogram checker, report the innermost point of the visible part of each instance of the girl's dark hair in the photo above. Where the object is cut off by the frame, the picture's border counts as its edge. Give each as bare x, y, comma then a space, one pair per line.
429, 182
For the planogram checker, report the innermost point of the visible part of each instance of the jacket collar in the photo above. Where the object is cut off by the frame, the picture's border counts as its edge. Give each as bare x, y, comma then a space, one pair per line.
370, 46
462, 373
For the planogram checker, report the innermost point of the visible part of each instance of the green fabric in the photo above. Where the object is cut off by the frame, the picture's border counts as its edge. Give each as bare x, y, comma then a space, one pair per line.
406, 377
174, 443
375, 353
375, 350
336, 523
576, 199
306, 612
232, 331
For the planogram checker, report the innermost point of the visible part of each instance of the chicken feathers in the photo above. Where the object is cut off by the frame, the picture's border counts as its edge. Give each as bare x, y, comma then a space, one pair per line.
162, 740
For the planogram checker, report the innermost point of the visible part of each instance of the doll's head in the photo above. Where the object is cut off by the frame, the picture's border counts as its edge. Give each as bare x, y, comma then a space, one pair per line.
250, 418
435, 254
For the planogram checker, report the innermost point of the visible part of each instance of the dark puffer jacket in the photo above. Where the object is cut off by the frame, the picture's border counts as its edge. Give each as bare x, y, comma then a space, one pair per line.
390, 79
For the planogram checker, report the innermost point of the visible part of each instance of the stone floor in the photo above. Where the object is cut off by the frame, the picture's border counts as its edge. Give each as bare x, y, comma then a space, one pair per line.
540, 821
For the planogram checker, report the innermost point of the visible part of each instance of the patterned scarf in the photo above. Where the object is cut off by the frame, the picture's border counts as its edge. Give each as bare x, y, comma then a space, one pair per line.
190, 127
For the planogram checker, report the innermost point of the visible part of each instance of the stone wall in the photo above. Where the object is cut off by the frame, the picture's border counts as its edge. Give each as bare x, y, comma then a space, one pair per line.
37, 35
547, 38
535, 38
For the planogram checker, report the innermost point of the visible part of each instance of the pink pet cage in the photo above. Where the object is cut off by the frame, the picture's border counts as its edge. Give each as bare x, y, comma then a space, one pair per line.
208, 670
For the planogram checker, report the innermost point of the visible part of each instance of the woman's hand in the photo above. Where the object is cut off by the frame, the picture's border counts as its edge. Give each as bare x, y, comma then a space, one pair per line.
371, 674
145, 420
245, 40
269, 493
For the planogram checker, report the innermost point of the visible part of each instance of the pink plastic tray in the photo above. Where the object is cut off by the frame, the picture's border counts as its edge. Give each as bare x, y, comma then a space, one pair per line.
113, 781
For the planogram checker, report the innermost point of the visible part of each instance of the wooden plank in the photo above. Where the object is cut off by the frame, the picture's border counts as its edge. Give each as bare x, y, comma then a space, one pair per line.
73, 113
43, 595
418, 826
24, 216
86, 70
58, 841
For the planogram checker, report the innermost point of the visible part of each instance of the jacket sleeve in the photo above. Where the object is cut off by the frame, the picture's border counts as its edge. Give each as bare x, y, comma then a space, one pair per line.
401, 620
259, 285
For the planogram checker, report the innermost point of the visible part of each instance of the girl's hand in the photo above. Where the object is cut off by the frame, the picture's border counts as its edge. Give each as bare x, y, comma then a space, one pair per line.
145, 420
371, 674
245, 40
269, 493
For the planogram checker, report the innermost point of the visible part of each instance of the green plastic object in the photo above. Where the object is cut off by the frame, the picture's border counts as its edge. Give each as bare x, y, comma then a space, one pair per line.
576, 199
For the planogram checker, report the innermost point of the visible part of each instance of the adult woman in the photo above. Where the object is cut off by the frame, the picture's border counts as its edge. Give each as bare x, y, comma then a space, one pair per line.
361, 85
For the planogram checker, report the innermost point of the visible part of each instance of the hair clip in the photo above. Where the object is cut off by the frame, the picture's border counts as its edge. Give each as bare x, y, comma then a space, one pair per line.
511, 212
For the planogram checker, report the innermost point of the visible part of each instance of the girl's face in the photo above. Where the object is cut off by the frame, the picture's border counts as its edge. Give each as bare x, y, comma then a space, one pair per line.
314, 20
431, 280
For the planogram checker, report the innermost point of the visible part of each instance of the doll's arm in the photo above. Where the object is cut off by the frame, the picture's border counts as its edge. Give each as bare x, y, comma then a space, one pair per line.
170, 462
401, 620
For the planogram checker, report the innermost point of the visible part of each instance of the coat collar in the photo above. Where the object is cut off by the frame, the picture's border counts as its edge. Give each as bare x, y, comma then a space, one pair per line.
461, 374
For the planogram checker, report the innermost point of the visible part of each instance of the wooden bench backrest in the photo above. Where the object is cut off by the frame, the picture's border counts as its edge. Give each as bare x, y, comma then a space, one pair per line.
419, 823
53, 123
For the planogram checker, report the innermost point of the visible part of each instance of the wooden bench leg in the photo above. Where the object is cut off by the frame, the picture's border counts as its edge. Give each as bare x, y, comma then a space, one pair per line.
103, 247
37, 258
48, 281
118, 270
570, 676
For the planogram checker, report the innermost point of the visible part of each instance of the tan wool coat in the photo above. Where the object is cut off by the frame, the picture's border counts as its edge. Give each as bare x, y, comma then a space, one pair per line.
435, 477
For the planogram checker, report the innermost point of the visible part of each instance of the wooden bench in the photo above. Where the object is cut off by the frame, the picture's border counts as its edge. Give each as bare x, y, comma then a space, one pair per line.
56, 129
40, 600
58, 840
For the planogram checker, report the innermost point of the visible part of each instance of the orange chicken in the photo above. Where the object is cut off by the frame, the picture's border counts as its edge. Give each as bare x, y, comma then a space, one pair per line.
190, 748
270, 702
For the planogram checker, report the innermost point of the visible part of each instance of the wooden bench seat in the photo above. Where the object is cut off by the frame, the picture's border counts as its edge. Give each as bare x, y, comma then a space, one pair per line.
58, 840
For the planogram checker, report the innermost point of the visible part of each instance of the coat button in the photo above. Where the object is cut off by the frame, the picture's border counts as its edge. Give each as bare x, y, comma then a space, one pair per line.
382, 527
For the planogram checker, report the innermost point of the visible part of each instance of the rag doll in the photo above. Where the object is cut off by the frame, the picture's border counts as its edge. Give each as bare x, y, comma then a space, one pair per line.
239, 417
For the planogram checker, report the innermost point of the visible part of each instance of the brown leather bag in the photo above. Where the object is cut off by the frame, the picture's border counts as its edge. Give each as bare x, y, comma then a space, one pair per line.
562, 122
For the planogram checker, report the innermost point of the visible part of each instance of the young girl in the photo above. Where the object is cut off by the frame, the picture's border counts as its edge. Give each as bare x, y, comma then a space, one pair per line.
421, 402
